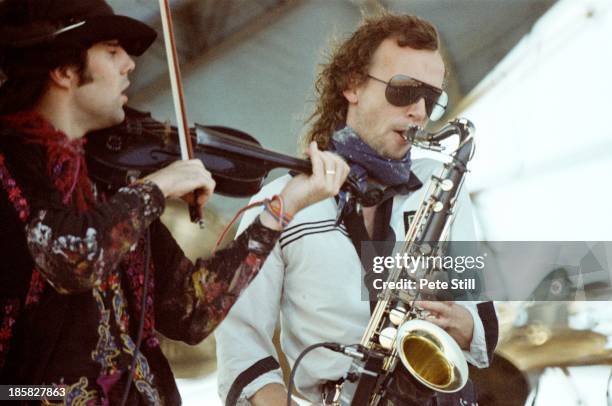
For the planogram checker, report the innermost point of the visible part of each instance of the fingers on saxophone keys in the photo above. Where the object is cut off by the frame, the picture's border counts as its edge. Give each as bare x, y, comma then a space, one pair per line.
434, 306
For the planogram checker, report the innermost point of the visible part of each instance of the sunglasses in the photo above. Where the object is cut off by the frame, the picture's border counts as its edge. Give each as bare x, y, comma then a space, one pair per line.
403, 91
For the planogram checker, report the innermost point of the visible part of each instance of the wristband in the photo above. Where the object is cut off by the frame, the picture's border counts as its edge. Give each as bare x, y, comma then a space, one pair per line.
275, 207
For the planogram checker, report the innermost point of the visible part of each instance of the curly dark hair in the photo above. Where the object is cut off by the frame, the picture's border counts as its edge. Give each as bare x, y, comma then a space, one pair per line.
349, 62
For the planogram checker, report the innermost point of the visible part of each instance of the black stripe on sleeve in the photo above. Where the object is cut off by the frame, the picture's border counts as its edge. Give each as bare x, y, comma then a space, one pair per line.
300, 228
249, 375
330, 229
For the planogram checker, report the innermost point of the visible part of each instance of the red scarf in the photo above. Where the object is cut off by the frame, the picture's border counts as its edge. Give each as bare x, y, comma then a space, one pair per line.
66, 164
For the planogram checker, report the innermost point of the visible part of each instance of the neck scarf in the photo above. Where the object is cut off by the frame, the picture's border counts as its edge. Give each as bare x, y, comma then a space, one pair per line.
66, 165
365, 162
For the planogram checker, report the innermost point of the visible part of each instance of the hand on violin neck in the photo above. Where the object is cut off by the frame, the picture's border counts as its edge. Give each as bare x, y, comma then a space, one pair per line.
180, 178
329, 172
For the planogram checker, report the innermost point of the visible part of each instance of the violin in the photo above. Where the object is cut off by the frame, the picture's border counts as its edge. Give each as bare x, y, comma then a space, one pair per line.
140, 145
236, 160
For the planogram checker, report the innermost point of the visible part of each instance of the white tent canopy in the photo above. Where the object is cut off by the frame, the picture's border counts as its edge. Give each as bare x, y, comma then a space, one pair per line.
544, 143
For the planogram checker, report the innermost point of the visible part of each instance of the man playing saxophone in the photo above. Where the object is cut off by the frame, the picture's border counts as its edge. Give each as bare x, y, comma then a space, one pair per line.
385, 78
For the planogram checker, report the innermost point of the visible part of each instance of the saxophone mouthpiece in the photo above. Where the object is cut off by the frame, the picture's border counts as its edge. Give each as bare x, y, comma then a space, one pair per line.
414, 132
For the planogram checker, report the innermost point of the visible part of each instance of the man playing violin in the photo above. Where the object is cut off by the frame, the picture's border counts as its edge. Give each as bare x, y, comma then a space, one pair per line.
87, 280
386, 77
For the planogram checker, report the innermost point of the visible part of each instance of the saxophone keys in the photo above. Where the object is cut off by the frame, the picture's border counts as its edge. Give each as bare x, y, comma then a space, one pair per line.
387, 337
445, 184
396, 316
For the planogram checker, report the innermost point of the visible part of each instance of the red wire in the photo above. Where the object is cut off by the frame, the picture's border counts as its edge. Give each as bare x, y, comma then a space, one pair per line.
250, 206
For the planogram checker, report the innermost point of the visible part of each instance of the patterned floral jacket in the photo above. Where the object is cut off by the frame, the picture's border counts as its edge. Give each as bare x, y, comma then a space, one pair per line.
71, 285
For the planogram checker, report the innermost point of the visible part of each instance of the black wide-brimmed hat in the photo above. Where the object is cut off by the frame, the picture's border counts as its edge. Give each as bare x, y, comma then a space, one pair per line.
57, 24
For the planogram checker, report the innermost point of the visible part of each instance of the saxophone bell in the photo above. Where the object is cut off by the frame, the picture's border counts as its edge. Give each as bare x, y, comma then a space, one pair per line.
431, 356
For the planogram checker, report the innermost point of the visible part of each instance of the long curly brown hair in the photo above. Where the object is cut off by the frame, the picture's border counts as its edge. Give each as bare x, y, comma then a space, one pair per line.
348, 64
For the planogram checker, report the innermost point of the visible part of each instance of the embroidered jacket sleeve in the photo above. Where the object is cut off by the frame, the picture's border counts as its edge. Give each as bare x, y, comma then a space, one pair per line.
75, 250
192, 299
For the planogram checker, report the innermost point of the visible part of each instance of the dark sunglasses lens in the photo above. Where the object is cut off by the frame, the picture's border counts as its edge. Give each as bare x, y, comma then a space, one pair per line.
403, 91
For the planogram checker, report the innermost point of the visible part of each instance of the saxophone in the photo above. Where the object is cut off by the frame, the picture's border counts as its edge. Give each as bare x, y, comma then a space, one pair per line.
403, 359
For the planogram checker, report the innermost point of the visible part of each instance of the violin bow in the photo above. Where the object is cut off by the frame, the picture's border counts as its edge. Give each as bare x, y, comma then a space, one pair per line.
178, 98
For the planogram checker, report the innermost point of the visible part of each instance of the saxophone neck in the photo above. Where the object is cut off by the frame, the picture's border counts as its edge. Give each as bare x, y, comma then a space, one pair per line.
418, 137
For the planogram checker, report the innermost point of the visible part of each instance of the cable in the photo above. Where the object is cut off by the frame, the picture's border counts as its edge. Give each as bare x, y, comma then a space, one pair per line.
331, 346
355, 351
282, 217
143, 308
297, 363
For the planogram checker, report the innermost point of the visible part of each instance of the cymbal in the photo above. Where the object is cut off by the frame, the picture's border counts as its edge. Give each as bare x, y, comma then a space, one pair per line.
536, 347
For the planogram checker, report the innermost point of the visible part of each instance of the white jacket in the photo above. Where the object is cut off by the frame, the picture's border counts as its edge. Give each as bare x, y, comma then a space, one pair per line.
312, 282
